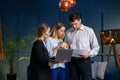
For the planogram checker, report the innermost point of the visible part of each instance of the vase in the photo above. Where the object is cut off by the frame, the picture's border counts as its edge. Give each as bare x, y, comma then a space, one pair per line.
11, 76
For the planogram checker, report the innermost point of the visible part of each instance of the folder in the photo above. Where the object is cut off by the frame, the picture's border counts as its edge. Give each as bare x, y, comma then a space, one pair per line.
66, 54
63, 54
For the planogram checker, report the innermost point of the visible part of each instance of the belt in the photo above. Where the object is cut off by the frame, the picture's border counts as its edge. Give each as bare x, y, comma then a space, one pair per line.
77, 58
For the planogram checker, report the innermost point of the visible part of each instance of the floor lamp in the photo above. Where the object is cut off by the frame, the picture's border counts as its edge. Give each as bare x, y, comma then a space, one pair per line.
112, 37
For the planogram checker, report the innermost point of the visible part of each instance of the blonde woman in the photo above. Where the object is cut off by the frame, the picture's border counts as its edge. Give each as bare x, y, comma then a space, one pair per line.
53, 43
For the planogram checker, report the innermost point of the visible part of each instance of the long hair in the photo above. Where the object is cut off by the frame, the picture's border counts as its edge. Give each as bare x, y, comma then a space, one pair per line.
42, 28
57, 26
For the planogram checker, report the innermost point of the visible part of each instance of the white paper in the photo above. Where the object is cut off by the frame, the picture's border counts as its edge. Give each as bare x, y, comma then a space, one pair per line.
77, 52
66, 54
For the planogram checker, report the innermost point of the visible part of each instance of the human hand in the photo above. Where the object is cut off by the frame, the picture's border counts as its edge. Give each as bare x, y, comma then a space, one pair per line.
63, 45
85, 55
55, 62
64, 61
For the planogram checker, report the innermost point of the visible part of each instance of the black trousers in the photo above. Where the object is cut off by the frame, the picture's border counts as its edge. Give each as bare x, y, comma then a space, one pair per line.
80, 69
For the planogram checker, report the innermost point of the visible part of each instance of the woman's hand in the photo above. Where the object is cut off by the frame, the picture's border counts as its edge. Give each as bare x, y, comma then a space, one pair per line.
63, 45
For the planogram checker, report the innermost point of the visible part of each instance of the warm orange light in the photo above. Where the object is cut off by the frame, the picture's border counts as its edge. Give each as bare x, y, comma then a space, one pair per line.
64, 5
72, 2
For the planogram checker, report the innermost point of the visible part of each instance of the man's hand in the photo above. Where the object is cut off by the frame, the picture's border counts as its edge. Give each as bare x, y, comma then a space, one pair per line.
85, 55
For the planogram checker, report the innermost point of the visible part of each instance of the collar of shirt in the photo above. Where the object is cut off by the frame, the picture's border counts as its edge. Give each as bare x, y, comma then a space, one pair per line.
81, 28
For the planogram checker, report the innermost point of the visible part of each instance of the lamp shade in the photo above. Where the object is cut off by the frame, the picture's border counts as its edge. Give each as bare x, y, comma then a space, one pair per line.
72, 2
64, 5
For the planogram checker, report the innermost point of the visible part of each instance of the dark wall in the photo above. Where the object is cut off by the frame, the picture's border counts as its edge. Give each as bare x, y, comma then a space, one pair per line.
49, 5
22, 16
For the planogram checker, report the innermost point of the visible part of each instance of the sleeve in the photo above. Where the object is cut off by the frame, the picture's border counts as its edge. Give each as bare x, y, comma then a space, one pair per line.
93, 44
49, 47
39, 52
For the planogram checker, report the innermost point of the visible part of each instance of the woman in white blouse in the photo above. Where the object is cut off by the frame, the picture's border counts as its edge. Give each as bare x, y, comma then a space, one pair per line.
53, 43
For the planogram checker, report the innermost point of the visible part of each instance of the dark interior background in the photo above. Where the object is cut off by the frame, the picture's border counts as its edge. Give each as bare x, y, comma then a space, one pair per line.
23, 17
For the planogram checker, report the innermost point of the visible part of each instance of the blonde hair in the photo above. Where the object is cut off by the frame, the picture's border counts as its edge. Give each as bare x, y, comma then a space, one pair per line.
57, 26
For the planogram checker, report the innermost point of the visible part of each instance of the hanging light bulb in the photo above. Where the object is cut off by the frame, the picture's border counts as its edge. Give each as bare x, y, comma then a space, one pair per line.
64, 5
72, 2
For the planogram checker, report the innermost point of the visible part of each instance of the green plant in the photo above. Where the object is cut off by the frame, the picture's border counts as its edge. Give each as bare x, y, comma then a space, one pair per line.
11, 46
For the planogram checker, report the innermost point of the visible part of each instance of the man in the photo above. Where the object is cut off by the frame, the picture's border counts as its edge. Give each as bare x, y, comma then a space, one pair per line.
83, 38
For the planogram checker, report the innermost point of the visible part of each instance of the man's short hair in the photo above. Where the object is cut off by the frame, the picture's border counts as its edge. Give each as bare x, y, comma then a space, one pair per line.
73, 16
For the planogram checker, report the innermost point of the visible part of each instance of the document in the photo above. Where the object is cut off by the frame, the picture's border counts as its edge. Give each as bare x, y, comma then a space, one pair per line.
66, 54
77, 52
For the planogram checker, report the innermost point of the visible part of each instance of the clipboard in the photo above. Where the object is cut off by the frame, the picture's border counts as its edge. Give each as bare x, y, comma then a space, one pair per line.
63, 54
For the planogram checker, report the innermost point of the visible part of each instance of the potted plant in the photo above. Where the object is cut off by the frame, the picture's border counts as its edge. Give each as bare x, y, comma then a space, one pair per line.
10, 47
